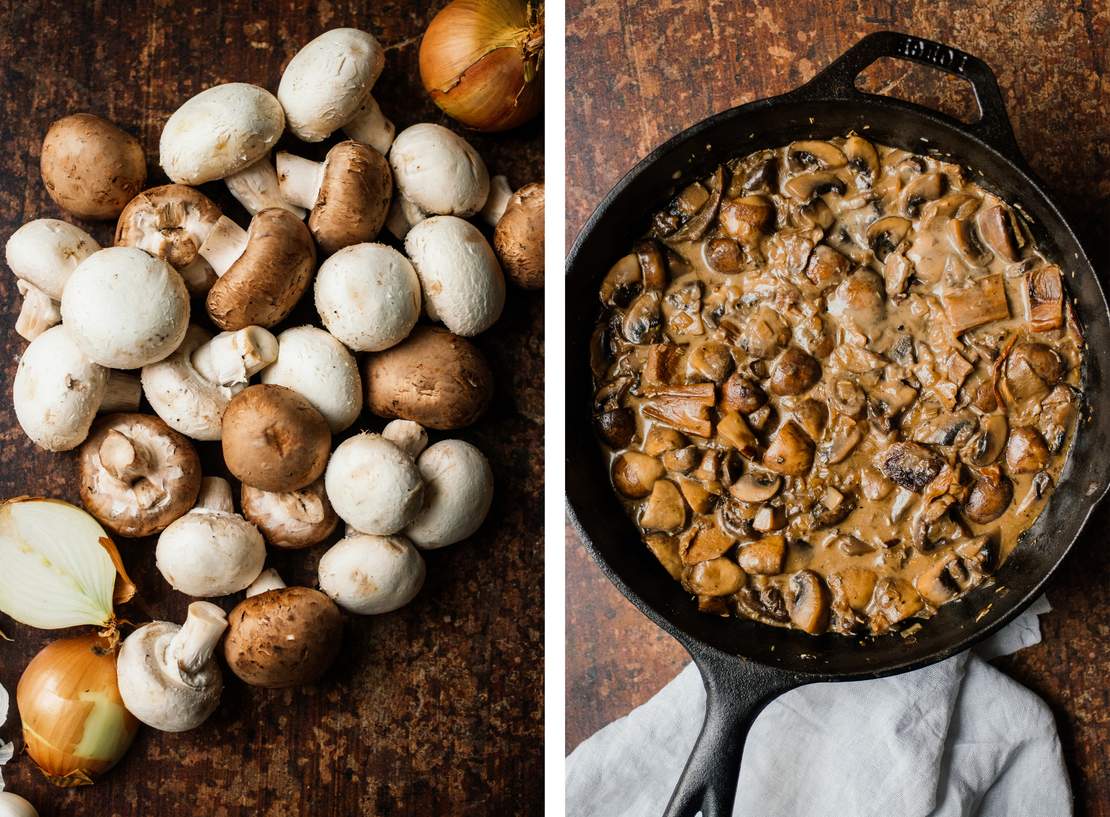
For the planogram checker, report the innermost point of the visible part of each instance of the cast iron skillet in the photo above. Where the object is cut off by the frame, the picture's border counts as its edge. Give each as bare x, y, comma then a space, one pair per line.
745, 664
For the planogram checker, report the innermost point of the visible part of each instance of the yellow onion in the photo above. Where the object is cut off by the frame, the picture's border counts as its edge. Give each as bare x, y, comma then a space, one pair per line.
482, 60
74, 723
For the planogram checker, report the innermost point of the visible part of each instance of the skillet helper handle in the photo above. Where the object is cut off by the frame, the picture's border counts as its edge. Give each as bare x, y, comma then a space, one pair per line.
736, 692
838, 81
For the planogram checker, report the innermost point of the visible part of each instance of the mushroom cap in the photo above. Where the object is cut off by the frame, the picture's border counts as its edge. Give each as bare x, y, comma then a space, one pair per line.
274, 439
327, 81
57, 391
439, 171
125, 308
462, 281
12, 805
266, 281
354, 197
458, 491
373, 485
291, 519
148, 485
369, 574
170, 221
368, 296
90, 167
209, 553
312, 362
220, 131
155, 699
184, 398
432, 377
283, 638
46, 251
518, 237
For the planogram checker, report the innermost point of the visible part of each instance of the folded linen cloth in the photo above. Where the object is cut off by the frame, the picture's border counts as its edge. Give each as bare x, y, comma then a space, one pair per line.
958, 738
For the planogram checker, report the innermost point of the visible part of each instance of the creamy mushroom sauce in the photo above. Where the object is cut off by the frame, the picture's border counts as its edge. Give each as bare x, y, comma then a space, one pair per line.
836, 381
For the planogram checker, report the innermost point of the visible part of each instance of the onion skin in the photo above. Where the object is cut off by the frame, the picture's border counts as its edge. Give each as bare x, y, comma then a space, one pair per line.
74, 723
482, 62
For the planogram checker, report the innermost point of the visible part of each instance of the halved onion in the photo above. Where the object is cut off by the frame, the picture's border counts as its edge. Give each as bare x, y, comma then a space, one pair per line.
59, 566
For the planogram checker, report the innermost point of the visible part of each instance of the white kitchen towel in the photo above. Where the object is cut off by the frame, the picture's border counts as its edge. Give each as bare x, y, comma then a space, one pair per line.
6, 749
955, 739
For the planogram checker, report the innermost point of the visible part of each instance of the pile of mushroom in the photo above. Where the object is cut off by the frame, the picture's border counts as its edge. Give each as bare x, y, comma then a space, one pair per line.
176, 364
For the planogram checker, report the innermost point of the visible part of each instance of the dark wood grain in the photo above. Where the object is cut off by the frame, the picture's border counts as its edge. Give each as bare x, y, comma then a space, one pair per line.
638, 73
432, 710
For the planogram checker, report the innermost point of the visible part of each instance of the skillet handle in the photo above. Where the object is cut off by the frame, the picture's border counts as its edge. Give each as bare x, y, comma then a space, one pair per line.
838, 81
736, 692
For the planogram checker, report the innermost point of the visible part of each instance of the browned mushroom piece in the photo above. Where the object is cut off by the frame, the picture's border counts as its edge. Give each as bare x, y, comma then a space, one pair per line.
845, 436
665, 509
855, 584
861, 299
264, 283
724, 255
734, 432
273, 439
812, 415
665, 548
790, 451
1031, 370
764, 556
685, 408
926, 187
660, 439
987, 444
290, 519
807, 599
137, 475
908, 464
616, 426
805, 186
827, 266
1026, 451
989, 497
756, 486
623, 282
702, 543
746, 218
715, 577
794, 372
634, 474
769, 518
740, 393
1044, 292
894, 601
643, 319
681, 460
697, 496
862, 158
975, 302
833, 506
283, 638
997, 227
885, 234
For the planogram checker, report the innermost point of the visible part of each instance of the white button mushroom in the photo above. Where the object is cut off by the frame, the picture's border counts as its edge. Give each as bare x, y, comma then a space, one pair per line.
220, 131
256, 188
12, 805
368, 296
43, 254
499, 196
458, 490
211, 550
373, 485
371, 127
312, 362
462, 281
328, 80
125, 308
348, 193
168, 675
191, 388
439, 171
369, 575
58, 391
403, 216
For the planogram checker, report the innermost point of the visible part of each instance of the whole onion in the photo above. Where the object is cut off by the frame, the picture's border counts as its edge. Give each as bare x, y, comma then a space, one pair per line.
74, 723
482, 60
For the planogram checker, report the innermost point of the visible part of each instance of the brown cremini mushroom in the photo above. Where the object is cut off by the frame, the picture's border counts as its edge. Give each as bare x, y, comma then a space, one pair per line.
518, 237
290, 519
283, 637
1026, 451
137, 475
90, 167
273, 439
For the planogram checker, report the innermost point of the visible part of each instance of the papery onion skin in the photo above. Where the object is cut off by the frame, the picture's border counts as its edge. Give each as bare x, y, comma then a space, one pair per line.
75, 726
482, 62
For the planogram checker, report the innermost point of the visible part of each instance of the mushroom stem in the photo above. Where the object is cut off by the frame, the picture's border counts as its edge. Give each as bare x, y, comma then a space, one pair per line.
123, 393
371, 127
224, 245
403, 216
498, 200
192, 646
215, 495
198, 276
299, 179
122, 458
256, 188
407, 435
39, 311
267, 580
231, 358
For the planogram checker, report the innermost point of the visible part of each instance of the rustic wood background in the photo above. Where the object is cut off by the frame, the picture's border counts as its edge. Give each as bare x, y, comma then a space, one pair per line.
638, 72
432, 710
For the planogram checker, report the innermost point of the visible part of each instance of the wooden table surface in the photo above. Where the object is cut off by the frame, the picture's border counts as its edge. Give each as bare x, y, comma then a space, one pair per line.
433, 710
637, 73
